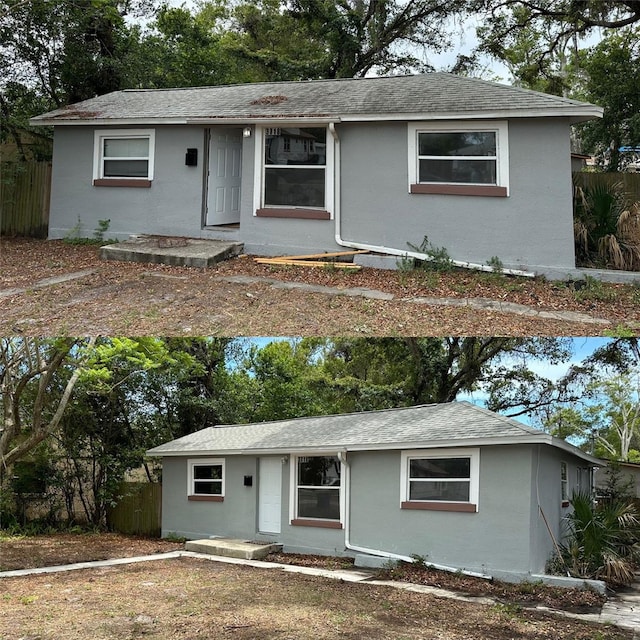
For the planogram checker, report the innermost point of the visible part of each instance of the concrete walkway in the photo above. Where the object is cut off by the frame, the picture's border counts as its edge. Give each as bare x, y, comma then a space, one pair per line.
621, 610
47, 282
482, 304
196, 257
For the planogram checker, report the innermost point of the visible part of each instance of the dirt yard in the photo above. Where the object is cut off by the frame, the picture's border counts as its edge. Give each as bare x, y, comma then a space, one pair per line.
194, 599
30, 552
121, 298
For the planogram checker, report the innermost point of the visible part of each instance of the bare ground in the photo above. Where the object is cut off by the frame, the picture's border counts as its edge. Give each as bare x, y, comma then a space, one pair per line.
30, 552
196, 599
136, 299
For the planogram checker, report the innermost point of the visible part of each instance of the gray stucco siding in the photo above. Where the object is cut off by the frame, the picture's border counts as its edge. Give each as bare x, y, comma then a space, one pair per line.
494, 538
533, 226
547, 500
171, 206
235, 517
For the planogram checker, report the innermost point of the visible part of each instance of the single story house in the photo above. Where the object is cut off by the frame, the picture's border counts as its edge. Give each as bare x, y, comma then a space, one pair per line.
625, 475
461, 486
482, 169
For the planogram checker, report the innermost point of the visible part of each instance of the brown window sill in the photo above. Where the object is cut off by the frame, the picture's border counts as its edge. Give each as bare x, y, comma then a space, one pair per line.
121, 182
323, 524
461, 190
283, 212
441, 506
206, 498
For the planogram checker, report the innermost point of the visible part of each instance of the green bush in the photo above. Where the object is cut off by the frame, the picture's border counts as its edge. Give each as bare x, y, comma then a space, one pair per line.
606, 227
603, 540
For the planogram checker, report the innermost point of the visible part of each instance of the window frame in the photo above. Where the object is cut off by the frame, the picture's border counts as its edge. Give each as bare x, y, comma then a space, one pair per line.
501, 186
100, 136
191, 480
564, 483
293, 211
470, 506
305, 521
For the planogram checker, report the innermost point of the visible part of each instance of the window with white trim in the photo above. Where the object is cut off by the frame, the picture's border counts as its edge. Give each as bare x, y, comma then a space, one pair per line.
124, 154
564, 484
294, 167
467, 154
445, 479
317, 488
206, 478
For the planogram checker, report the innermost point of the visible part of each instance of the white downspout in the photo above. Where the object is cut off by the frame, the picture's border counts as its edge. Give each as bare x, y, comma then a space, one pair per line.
342, 456
388, 250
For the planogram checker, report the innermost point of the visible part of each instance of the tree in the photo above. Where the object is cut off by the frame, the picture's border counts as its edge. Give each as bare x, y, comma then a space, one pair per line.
31, 373
323, 376
540, 54
613, 69
607, 421
344, 39
125, 403
562, 19
54, 52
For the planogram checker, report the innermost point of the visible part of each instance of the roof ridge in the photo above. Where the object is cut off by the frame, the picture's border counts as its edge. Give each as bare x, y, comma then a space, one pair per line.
334, 415
510, 421
278, 82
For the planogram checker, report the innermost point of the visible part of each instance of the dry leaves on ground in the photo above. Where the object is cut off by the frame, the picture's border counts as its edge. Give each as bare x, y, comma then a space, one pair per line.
118, 298
198, 599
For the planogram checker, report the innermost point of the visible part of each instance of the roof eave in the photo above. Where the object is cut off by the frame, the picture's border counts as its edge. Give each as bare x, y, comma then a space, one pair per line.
388, 446
574, 113
104, 122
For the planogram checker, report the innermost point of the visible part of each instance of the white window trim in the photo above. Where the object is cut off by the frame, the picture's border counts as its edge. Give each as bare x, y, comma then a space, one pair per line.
204, 462
424, 454
564, 483
100, 135
293, 487
259, 170
500, 127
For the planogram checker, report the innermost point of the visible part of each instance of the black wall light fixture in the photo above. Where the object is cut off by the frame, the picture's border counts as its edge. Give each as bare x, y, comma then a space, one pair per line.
191, 159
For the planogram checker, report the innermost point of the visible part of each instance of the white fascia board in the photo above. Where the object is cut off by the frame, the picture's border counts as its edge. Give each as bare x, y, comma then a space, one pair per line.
542, 438
577, 114
107, 122
270, 122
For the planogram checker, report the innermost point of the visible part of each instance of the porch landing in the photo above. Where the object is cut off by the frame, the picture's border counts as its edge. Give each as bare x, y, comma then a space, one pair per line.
174, 251
231, 548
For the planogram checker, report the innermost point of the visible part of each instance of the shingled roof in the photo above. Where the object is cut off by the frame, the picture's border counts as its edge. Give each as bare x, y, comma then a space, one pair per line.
418, 97
425, 426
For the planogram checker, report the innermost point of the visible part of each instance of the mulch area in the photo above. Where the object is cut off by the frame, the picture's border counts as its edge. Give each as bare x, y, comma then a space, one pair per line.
526, 593
150, 295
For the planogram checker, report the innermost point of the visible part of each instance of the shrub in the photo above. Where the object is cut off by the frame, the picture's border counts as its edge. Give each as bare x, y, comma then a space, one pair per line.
606, 227
603, 540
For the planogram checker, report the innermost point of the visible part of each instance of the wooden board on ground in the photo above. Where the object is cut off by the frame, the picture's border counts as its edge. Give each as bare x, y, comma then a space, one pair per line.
314, 259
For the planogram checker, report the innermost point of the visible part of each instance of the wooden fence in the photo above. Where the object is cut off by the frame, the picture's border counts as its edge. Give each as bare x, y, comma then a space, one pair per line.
139, 510
630, 182
25, 189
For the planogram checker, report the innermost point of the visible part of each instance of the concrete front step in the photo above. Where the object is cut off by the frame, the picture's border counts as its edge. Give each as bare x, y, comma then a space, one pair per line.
178, 252
230, 548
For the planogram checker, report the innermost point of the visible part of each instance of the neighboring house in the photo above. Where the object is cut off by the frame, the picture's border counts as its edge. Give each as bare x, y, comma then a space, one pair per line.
627, 476
579, 161
480, 168
456, 484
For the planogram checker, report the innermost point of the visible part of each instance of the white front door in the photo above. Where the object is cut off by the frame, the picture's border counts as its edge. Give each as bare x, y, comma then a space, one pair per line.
225, 176
269, 495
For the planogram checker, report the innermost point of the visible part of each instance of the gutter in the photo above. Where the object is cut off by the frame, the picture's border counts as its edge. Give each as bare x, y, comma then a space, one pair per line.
342, 456
389, 250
